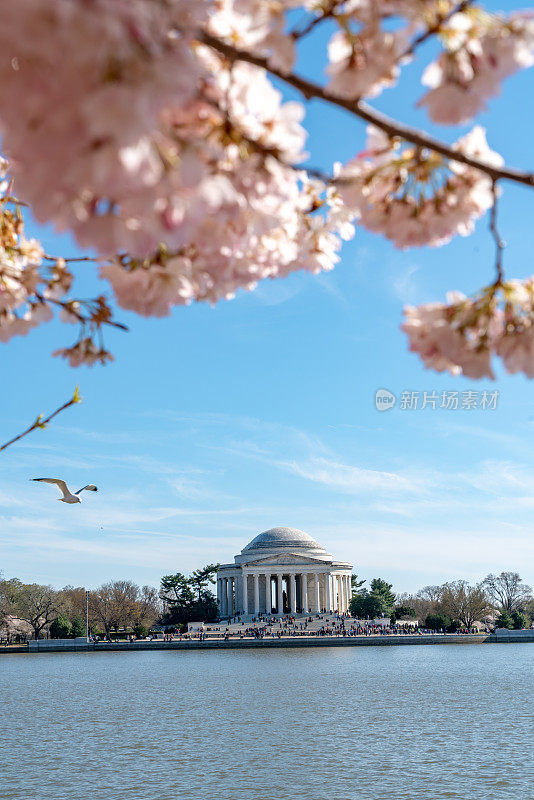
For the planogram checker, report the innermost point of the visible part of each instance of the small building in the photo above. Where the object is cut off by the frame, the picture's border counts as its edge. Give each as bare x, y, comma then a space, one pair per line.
283, 571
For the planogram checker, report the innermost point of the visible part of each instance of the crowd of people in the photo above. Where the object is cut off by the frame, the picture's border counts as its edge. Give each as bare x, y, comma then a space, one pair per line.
268, 626
334, 625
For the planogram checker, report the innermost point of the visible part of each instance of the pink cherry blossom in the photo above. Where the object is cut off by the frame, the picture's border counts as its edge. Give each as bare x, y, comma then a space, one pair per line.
182, 167
364, 63
84, 352
481, 50
462, 335
413, 197
446, 341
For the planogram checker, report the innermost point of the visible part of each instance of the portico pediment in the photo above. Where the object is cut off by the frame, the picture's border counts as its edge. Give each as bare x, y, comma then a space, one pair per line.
289, 558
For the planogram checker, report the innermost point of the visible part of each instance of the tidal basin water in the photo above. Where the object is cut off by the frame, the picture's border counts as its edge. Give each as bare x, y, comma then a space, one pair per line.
395, 723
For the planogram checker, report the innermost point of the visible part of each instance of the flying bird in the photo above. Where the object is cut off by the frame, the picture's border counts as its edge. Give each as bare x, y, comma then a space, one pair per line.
68, 497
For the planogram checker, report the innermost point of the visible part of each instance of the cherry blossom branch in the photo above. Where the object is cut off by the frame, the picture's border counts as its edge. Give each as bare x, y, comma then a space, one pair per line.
300, 33
434, 29
42, 423
273, 152
362, 110
71, 307
70, 259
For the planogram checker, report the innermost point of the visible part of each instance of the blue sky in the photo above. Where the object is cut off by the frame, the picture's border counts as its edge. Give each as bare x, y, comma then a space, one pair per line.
217, 423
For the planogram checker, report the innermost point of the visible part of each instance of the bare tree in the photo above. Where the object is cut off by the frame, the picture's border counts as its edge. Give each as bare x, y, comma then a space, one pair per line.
148, 607
119, 604
103, 608
430, 593
75, 600
4, 602
424, 602
125, 595
463, 602
508, 590
33, 603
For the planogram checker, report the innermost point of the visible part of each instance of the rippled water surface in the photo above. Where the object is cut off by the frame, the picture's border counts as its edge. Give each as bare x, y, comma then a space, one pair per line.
400, 723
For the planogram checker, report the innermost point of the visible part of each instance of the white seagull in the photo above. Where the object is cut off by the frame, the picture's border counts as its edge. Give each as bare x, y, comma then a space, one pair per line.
68, 497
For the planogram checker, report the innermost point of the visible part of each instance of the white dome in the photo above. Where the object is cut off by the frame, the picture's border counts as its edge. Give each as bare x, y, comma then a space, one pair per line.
279, 542
283, 539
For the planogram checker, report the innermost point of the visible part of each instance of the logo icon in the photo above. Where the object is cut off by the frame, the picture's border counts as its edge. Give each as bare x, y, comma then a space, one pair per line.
384, 399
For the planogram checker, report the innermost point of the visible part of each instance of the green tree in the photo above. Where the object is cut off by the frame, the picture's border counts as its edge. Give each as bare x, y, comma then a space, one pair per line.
402, 611
381, 589
375, 603
504, 620
176, 590
140, 631
365, 605
201, 578
186, 599
60, 628
355, 584
519, 620
78, 627
438, 622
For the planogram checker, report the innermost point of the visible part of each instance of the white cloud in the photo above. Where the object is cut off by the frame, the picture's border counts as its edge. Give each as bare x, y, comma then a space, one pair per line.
350, 478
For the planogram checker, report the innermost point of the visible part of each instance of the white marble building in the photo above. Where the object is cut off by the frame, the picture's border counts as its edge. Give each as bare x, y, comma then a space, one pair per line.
282, 571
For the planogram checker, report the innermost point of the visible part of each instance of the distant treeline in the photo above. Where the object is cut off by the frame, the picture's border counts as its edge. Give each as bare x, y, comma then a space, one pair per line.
502, 598
32, 609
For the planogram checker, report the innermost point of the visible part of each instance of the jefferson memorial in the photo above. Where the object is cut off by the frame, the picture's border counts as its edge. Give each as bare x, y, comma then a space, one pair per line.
283, 571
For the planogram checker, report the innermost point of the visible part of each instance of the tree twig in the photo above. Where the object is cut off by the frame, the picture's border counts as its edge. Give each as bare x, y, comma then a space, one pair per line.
69, 259
362, 110
435, 28
68, 306
41, 422
299, 33
500, 244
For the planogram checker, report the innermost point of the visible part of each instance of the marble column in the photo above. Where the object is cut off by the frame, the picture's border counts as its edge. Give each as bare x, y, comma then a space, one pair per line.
256, 594
279, 595
245, 593
317, 598
268, 593
328, 583
293, 593
230, 596
223, 597
304, 591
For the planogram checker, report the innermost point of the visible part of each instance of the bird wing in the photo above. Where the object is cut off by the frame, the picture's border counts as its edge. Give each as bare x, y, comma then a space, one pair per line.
62, 486
90, 488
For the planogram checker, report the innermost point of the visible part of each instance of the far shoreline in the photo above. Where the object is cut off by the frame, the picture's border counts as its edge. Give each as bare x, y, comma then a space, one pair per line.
69, 646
